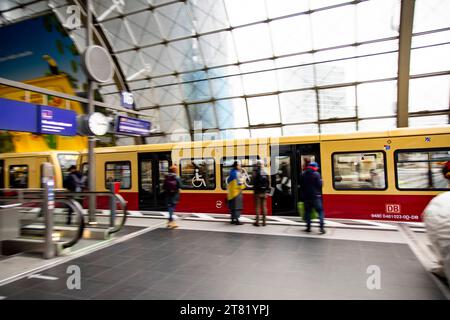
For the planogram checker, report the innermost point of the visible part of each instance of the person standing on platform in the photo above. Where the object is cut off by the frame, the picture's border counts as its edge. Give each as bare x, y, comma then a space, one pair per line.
171, 186
260, 187
234, 197
311, 194
74, 182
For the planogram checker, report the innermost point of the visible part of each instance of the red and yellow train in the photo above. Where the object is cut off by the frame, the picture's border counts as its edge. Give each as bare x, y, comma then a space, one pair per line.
385, 175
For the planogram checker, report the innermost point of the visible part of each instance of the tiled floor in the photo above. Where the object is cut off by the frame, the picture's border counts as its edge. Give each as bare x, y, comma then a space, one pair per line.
193, 264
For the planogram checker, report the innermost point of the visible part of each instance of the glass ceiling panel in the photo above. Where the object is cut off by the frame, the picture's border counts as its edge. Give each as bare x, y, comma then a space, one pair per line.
315, 4
144, 28
243, 12
334, 27
158, 60
337, 103
297, 130
174, 21
260, 82
265, 133
341, 127
253, 42
263, 110
167, 95
208, 15
202, 116
299, 106
377, 19
428, 121
377, 99
218, 49
174, 119
431, 93
380, 124
431, 15
185, 55
278, 8
432, 59
291, 35
232, 113
296, 78
107, 9
132, 64
119, 34
227, 87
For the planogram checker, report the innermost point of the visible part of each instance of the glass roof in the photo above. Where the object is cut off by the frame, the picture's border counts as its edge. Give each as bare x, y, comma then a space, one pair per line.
255, 68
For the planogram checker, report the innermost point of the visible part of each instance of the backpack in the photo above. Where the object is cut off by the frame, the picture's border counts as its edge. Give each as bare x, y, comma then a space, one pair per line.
261, 182
170, 183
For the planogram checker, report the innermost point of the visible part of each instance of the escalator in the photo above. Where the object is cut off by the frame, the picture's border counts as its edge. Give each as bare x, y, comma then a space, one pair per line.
25, 231
27, 226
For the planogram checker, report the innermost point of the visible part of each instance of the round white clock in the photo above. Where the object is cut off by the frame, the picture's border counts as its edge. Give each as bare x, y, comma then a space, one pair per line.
98, 124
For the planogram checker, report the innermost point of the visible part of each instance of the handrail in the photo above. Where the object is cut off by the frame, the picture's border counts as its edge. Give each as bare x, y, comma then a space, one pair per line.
118, 197
76, 207
59, 193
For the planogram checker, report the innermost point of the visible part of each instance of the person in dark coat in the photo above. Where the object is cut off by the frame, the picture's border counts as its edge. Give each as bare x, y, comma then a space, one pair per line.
172, 185
311, 194
74, 182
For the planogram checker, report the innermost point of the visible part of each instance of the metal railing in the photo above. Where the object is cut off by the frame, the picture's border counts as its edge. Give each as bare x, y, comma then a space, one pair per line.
23, 195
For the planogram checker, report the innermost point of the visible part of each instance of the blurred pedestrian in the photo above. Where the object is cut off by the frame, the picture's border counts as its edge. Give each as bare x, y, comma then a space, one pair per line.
74, 182
234, 197
171, 186
261, 185
311, 194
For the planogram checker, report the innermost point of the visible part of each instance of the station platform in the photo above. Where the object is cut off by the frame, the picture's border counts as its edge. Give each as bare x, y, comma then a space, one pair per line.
208, 260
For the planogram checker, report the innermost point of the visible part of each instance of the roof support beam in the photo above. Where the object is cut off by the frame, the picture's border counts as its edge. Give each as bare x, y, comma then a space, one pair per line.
404, 57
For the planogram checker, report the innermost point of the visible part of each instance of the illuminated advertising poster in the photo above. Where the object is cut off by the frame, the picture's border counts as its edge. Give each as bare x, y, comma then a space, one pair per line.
39, 52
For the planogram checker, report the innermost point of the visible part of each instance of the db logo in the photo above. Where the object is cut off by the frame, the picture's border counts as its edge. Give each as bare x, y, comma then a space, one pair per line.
218, 204
393, 208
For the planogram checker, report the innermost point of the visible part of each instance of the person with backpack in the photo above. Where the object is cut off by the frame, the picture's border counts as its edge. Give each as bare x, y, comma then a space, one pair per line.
74, 182
171, 186
261, 185
311, 194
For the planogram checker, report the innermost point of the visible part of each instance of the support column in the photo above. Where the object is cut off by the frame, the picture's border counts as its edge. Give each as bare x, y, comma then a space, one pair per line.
91, 110
404, 57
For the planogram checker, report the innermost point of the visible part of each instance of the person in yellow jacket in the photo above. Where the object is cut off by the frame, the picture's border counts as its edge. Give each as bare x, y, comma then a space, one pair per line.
234, 197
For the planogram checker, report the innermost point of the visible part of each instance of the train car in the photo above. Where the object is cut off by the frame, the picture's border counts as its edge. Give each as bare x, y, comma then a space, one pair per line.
23, 170
385, 175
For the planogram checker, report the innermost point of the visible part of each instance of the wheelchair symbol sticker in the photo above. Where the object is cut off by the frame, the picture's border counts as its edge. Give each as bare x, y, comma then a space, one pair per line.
197, 180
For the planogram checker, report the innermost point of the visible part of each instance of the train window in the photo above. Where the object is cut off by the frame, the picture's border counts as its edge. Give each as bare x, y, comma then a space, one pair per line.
422, 169
84, 169
119, 171
198, 173
146, 175
359, 171
282, 172
65, 162
18, 176
2, 181
248, 164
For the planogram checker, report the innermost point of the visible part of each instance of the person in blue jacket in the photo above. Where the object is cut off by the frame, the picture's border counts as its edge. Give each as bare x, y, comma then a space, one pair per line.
311, 194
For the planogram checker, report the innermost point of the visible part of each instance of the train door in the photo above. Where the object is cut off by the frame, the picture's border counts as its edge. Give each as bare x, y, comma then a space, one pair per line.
287, 164
152, 169
2, 174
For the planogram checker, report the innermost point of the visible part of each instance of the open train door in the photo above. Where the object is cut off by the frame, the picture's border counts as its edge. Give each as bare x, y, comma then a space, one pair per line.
287, 164
153, 167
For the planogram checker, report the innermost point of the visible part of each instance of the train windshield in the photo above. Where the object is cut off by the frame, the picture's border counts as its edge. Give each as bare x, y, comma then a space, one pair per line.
66, 161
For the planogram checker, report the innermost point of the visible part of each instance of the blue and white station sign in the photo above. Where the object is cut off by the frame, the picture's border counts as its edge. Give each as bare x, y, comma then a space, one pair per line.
126, 99
133, 126
57, 121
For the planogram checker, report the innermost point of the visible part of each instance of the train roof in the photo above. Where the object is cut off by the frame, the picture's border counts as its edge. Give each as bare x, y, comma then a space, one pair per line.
37, 153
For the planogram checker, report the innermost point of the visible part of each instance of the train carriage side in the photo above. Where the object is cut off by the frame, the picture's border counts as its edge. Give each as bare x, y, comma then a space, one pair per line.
391, 176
